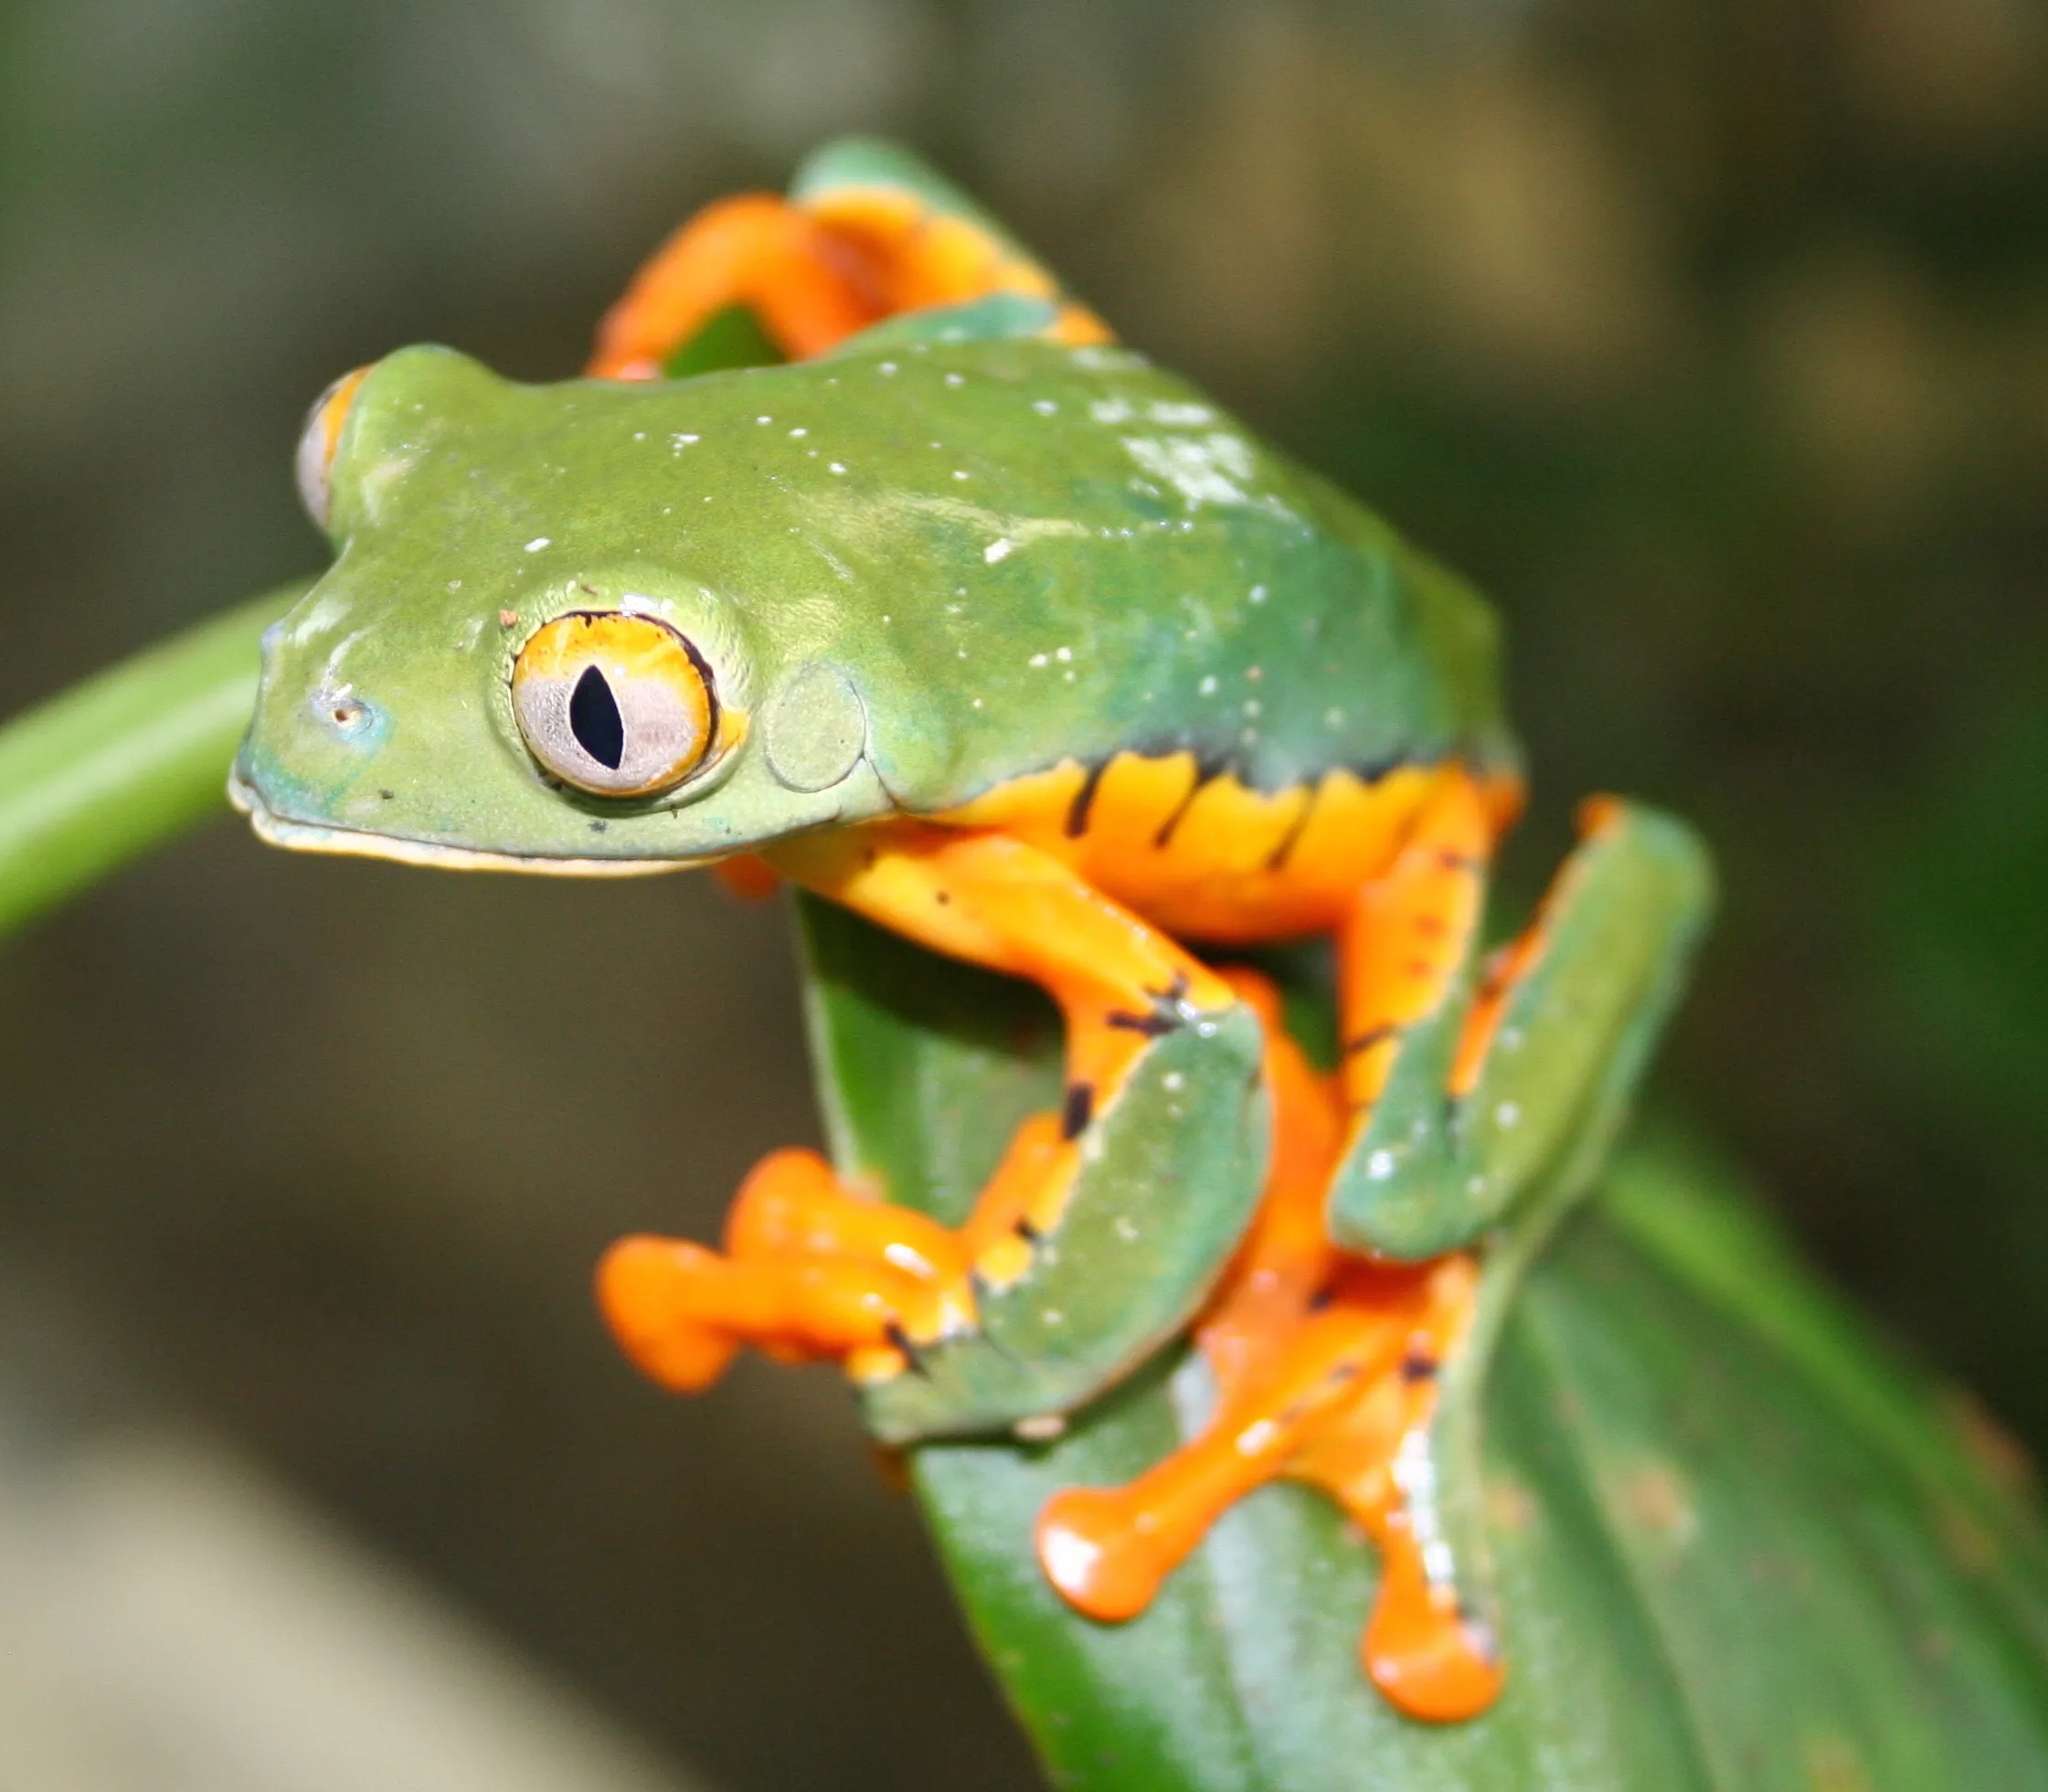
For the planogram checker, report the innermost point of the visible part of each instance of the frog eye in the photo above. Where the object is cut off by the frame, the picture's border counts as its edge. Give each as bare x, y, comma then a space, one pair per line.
317, 442
617, 705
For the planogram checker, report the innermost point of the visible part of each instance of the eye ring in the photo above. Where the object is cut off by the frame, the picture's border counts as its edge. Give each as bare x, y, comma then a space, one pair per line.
613, 704
315, 460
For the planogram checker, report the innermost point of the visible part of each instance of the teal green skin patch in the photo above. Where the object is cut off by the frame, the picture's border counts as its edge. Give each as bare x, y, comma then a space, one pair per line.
1008, 552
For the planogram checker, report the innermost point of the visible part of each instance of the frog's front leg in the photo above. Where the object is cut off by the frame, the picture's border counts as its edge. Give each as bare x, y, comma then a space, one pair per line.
1471, 1082
1100, 1235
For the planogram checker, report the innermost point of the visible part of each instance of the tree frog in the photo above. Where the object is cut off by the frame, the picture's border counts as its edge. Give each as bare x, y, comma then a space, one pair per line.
962, 615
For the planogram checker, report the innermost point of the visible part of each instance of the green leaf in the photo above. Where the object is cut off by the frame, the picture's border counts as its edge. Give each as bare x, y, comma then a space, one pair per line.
119, 764
1739, 1544
731, 338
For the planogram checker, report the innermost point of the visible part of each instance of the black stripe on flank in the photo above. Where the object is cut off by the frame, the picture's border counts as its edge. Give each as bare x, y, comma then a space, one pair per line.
1083, 799
1277, 857
1205, 772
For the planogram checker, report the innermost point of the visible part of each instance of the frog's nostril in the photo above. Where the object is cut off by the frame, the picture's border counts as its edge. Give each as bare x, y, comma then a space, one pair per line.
346, 714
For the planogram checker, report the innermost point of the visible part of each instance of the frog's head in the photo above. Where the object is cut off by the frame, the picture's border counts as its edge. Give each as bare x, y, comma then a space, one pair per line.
530, 653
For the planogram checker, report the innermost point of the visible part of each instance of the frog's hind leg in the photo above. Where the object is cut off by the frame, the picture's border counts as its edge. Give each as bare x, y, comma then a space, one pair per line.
867, 233
1471, 1083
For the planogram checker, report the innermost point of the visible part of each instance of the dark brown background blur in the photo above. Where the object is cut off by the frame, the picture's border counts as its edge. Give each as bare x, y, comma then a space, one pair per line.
1710, 335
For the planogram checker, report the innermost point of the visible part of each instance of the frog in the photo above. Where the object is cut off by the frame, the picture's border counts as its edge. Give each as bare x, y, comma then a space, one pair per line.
864, 558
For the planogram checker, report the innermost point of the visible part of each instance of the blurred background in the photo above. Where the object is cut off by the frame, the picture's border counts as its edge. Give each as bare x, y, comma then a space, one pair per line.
1710, 335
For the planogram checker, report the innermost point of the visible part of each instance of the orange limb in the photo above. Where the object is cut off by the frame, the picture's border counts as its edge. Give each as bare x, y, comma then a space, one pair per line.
1422, 1647
814, 272
1326, 1371
1407, 934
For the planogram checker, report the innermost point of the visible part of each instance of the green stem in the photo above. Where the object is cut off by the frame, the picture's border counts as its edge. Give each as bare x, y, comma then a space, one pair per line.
102, 774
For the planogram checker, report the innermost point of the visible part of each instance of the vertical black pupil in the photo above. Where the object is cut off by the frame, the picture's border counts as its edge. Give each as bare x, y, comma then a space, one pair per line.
595, 721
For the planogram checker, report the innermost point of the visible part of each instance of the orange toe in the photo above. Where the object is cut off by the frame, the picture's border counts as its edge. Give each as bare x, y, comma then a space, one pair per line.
641, 1292
1099, 1554
1429, 1658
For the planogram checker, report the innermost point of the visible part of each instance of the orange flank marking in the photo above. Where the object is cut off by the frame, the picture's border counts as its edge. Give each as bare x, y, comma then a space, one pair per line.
1211, 858
1338, 1394
814, 273
1400, 946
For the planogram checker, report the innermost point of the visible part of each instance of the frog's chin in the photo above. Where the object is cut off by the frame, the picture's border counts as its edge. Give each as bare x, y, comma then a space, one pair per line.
277, 830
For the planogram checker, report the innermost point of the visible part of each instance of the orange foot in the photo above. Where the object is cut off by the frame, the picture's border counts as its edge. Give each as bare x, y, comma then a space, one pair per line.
1326, 1369
812, 1270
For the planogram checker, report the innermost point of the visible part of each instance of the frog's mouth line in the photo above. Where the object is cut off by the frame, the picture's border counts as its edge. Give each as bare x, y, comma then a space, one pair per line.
276, 829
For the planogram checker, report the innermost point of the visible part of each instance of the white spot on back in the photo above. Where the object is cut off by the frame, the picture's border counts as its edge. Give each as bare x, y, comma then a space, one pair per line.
1209, 471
